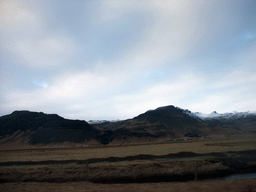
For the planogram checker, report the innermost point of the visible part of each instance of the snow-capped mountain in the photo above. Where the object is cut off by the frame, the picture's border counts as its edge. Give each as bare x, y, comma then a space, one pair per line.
215, 115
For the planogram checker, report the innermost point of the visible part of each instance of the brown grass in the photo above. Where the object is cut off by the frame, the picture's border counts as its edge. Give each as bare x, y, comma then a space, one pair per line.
243, 185
62, 164
83, 153
137, 171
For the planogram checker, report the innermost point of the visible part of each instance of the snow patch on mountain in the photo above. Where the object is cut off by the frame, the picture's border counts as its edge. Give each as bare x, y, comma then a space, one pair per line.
101, 121
215, 115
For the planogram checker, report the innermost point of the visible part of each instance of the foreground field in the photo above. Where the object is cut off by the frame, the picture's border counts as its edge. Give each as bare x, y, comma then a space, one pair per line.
155, 162
243, 185
102, 151
125, 172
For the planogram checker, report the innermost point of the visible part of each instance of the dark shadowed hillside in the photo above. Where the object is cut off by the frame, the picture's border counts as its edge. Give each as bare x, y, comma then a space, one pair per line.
170, 116
166, 123
169, 121
40, 128
237, 121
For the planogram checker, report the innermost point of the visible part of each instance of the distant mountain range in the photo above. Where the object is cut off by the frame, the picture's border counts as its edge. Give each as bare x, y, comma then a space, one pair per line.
164, 123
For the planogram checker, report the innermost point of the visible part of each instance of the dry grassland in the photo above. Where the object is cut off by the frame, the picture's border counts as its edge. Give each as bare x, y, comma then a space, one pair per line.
137, 171
69, 165
246, 185
83, 153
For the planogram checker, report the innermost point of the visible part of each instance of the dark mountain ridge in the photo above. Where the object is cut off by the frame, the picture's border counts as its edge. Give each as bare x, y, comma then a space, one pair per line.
233, 120
169, 115
166, 122
38, 127
169, 121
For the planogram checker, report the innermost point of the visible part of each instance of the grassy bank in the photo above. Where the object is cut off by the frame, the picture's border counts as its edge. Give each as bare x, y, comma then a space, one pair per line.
137, 171
243, 185
142, 168
108, 164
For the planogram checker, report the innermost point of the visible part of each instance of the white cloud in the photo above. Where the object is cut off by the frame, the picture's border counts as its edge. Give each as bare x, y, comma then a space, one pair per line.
158, 95
94, 95
211, 103
107, 11
181, 31
25, 37
15, 16
233, 92
68, 91
238, 99
166, 39
237, 78
44, 52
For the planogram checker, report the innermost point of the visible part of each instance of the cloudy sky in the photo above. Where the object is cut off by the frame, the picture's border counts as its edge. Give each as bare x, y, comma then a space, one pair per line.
113, 59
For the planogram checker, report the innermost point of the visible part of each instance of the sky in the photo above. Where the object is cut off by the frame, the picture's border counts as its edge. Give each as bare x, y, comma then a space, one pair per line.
113, 59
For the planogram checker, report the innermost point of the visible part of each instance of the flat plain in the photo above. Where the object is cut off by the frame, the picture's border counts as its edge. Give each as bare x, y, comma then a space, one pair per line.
104, 151
144, 166
243, 185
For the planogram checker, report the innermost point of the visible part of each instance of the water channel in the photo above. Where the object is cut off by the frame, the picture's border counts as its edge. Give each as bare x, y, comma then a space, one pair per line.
237, 176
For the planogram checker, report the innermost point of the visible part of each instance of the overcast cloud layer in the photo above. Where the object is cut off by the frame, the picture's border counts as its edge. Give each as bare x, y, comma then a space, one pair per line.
116, 59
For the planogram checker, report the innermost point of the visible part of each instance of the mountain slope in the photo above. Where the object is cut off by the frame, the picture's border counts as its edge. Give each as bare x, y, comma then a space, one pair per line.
243, 120
169, 121
40, 128
166, 123
170, 116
